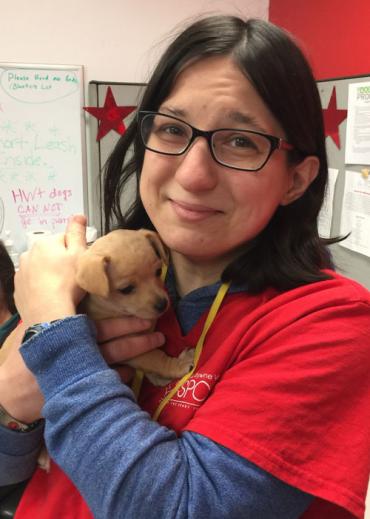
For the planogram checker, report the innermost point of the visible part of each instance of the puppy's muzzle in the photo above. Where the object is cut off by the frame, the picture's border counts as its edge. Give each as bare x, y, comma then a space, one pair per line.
161, 305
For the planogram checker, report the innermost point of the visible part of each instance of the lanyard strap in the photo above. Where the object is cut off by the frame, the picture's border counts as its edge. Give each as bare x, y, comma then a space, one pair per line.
139, 375
222, 291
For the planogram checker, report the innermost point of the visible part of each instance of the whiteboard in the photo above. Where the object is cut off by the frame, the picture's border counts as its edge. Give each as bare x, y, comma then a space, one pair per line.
42, 149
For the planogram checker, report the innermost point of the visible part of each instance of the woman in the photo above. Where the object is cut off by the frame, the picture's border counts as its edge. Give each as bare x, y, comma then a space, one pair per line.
229, 157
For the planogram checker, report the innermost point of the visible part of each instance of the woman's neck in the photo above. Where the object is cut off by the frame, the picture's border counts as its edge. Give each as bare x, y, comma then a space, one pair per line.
190, 274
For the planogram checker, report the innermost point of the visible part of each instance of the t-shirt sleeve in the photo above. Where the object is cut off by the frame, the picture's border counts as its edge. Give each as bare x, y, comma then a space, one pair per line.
295, 399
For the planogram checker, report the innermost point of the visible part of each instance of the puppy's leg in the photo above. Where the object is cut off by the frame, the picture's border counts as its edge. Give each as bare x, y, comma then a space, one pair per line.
162, 366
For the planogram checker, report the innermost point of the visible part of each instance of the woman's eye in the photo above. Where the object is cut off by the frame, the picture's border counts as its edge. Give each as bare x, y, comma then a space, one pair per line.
127, 290
169, 129
240, 141
158, 273
173, 130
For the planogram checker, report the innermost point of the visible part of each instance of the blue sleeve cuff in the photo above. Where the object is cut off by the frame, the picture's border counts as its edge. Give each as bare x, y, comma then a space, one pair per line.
68, 347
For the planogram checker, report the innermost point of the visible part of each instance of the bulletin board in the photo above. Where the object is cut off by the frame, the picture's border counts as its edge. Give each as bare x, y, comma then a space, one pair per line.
42, 149
349, 262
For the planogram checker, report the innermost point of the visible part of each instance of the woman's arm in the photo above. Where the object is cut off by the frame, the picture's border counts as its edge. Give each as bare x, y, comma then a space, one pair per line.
126, 465
20, 394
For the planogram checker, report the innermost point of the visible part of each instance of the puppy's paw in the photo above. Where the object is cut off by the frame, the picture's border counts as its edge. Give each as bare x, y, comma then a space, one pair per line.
43, 460
157, 380
180, 367
186, 360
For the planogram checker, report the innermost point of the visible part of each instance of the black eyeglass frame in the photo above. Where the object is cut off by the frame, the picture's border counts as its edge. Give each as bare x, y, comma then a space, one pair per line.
276, 143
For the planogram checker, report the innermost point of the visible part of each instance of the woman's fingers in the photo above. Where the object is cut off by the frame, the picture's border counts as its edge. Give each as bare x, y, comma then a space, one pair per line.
121, 349
123, 338
45, 284
75, 236
108, 329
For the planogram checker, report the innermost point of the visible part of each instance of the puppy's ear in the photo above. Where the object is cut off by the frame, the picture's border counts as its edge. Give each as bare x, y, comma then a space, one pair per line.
91, 273
157, 244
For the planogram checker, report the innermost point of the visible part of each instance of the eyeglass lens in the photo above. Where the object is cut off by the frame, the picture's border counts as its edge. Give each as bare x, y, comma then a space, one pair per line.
236, 148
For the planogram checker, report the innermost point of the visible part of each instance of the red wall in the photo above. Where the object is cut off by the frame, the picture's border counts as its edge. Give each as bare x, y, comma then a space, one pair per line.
335, 34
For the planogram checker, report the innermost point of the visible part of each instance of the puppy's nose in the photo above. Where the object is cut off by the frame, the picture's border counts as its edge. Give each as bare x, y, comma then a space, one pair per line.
161, 304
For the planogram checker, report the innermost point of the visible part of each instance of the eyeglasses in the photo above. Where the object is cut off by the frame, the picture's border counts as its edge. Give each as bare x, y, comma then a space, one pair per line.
245, 150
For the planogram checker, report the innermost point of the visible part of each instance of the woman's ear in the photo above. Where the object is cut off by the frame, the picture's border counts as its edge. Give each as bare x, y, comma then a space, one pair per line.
302, 174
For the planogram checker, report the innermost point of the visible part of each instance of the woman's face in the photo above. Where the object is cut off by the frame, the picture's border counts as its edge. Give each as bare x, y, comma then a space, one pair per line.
201, 209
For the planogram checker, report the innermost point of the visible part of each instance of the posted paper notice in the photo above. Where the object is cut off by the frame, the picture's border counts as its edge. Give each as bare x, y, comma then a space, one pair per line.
326, 212
357, 149
355, 216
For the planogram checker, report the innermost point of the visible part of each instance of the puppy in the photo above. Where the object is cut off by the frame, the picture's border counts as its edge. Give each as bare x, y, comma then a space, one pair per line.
121, 273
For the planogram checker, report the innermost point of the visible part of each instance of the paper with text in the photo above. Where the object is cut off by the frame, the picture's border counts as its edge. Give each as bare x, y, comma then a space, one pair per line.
326, 212
355, 217
357, 149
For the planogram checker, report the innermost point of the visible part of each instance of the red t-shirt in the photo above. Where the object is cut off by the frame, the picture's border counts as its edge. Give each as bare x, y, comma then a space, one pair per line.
283, 380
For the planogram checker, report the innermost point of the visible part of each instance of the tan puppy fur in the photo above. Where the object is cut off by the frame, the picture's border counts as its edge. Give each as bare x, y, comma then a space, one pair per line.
121, 273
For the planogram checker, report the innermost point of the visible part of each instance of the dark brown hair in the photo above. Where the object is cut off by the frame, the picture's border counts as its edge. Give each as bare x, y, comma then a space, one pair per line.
7, 272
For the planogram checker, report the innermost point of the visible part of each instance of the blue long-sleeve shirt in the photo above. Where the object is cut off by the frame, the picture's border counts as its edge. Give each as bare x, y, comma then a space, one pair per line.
126, 465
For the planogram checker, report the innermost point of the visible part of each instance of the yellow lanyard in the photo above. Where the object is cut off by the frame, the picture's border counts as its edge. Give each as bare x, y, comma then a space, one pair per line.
222, 291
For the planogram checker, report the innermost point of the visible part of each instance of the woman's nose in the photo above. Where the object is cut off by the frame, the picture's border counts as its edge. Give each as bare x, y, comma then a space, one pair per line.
197, 171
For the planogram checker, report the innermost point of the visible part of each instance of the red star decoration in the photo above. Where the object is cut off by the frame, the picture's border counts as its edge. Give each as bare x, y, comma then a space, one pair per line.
333, 117
110, 116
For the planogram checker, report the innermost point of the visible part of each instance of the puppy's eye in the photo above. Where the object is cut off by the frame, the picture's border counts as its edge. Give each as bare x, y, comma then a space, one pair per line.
127, 290
158, 273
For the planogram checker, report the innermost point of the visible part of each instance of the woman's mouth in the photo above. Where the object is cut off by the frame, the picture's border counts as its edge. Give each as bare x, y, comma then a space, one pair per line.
192, 212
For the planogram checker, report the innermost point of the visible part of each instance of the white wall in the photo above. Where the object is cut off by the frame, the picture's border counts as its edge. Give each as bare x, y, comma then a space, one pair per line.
112, 39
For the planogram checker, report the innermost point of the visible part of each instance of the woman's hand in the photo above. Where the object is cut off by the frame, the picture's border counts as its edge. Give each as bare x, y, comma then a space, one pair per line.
45, 289
124, 338
45, 286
